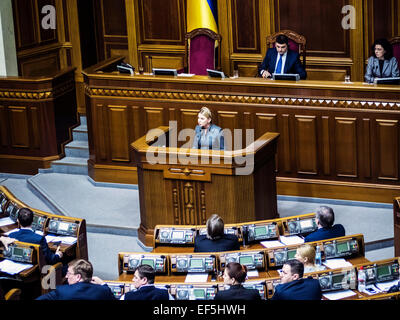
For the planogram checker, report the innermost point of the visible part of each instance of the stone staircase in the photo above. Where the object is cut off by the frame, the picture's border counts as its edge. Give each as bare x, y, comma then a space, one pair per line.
76, 153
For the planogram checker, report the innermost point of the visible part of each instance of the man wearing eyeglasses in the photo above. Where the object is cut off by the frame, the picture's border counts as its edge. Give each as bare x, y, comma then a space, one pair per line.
81, 285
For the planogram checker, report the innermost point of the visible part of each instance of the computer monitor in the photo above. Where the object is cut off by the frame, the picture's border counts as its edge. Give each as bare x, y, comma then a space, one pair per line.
286, 76
391, 80
215, 74
165, 72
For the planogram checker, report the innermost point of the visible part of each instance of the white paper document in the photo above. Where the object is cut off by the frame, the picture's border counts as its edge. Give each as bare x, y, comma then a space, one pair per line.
63, 239
289, 240
186, 74
12, 267
196, 277
337, 263
6, 221
385, 286
252, 273
337, 295
272, 243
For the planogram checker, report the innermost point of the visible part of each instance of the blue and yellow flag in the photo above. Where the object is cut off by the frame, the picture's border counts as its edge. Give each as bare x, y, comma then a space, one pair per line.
201, 14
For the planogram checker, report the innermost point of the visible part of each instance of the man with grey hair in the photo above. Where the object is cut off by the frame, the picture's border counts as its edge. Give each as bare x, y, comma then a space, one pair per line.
325, 219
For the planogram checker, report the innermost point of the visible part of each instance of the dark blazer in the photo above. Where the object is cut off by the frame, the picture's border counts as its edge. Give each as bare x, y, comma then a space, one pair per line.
26, 235
301, 289
228, 242
326, 233
238, 292
214, 136
292, 64
390, 69
79, 291
149, 292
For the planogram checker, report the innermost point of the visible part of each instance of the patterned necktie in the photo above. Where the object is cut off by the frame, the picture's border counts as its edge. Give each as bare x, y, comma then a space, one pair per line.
279, 66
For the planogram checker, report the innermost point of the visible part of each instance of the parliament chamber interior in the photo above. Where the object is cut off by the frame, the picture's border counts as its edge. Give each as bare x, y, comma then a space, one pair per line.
99, 101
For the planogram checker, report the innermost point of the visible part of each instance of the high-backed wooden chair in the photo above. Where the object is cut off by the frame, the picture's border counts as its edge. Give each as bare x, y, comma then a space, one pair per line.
297, 43
200, 51
395, 42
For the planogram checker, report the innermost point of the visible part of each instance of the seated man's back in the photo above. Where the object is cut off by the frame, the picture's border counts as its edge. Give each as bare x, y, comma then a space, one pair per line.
148, 292
335, 231
26, 234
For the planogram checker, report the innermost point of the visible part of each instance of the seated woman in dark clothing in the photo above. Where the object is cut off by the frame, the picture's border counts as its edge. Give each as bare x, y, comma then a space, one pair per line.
216, 240
234, 275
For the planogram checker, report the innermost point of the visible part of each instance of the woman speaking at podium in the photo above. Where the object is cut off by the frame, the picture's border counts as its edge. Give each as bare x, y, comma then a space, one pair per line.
381, 64
207, 134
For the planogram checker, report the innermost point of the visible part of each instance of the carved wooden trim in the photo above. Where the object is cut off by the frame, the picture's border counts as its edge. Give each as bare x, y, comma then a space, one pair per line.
235, 98
39, 95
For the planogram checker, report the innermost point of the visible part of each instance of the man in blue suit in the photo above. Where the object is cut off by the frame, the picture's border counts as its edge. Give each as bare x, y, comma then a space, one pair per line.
143, 281
26, 234
281, 60
293, 286
325, 217
81, 285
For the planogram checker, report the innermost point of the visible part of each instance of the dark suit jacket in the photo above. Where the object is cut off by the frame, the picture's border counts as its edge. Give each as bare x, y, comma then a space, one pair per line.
292, 64
326, 233
29, 236
79, 291
238, 292
302, 289
149, 292
228, 242
214, 136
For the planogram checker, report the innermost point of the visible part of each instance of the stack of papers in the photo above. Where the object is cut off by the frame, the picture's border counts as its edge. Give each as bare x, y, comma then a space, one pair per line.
252, 273
186, 74
12, 267
196, 277
385, 286
272, 243
6, 221
290, 240
337, 263
337, 295
63, 239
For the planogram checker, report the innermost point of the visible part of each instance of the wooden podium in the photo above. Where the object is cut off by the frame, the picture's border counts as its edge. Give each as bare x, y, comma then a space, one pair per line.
180, 186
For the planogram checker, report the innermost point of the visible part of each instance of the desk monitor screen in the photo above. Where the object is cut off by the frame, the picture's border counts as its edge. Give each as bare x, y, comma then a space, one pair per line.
3, 201
291, 254
383, 271
392, 80
215, 74
178, 235
286, 76
165, 72
196, 263
246, 260
338, 279
261, 231
342, 247
306, 223
199, 294
149, 262
12, 210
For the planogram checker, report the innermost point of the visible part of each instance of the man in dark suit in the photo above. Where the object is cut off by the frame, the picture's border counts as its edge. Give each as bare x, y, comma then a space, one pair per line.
293, 286
143, 281
325, 217
216, 240
81, 285
281, 60
26, 234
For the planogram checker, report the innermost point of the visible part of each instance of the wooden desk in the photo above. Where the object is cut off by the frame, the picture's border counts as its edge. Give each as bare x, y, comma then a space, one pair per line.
337, 140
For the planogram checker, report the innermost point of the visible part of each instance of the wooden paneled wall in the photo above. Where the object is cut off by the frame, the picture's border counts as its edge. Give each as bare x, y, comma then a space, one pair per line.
150, 33
156, 31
